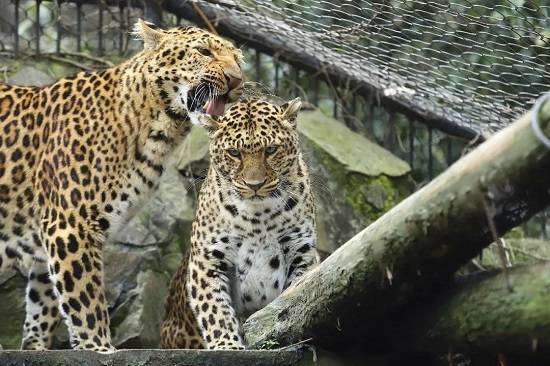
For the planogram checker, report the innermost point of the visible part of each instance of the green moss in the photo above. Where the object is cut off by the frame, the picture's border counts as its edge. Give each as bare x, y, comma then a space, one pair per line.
269, 344
369, 197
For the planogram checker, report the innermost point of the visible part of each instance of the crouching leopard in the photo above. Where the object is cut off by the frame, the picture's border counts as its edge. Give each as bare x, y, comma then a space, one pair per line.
254, 230
78, 157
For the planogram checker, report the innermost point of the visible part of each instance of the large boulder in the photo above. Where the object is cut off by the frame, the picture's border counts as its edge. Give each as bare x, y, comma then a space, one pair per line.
355, 181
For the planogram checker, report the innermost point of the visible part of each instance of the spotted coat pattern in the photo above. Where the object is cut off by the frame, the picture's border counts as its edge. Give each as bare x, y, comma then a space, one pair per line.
254, 230
76, 160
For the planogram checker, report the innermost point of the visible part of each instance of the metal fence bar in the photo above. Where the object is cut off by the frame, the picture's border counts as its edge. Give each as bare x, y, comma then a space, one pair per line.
258, 64
58, 27
335, 103
37, 27
121, 27
411, 143
276, 62
100, 31
430, 154
78, 26
449, 151
543, 225
16, 27
315, 85
296, 79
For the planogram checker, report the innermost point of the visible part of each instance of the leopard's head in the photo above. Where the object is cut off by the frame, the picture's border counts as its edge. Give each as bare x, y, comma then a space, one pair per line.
193, 71
255, 146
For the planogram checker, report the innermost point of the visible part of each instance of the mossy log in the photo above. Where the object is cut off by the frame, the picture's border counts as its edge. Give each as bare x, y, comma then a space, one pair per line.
288, 357
484, 315
421, 241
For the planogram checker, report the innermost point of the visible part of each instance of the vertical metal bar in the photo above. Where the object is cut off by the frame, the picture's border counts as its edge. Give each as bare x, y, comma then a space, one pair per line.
58, 27
100, 31
276, 62
152, 11
37, 25
335, 106
296, 77
430, 154
258, 65
543, 224
78, 26
121, 27
127, 25
16, 27
315, 91
449, 151
525, 227
371, 115
412, 132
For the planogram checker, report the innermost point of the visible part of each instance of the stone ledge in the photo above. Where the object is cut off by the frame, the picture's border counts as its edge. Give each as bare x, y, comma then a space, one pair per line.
152, 358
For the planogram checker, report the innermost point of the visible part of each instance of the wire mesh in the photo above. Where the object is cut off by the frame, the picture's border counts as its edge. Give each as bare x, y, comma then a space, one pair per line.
477, 64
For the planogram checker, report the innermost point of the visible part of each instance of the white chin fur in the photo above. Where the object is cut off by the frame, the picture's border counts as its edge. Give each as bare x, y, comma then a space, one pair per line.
195, 117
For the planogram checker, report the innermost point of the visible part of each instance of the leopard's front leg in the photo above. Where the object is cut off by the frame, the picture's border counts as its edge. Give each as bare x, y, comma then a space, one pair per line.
209, 295
42, 310
301, 254
76, 270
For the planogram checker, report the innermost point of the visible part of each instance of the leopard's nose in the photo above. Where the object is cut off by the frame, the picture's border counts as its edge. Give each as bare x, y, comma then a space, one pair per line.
255, 185
233, 81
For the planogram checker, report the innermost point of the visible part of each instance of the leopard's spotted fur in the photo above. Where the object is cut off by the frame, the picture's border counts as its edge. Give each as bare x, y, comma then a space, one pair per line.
254, 231
78, 157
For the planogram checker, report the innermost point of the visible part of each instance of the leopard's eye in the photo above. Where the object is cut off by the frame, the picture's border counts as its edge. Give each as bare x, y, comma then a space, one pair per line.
270, 150
204, 51
234, 153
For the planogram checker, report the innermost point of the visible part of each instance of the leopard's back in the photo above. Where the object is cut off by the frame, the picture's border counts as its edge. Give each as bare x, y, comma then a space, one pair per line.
21, 139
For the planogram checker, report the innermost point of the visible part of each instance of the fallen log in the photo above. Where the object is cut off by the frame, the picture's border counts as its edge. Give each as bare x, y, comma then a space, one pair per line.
484, 316
421, 241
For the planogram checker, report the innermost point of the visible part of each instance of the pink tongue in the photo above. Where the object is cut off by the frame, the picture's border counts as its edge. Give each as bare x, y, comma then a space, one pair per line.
216, 106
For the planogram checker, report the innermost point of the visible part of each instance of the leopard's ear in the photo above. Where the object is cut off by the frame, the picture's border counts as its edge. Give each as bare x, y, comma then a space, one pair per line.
149, 33
290, 110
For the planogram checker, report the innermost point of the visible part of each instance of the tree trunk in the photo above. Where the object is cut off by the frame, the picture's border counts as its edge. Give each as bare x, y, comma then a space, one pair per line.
484, 316
421, 241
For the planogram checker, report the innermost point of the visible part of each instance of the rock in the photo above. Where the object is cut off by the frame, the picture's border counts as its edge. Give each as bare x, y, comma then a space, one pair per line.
143, 258
12, 311
155, 222
284, 357
30, 75
355, 181
354, 152
144, 312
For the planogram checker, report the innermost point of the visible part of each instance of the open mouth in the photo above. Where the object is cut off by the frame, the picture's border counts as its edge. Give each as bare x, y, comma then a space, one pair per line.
204, 98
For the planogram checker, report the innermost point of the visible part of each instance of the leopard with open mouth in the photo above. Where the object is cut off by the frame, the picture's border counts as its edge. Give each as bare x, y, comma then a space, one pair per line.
78, 157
